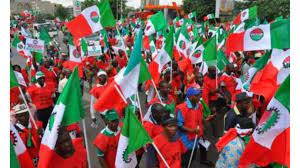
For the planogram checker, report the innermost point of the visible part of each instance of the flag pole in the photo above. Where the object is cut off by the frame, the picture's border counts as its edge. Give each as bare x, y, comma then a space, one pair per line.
86, 143
29, 111
156, 91
171, 71
140, 108
216, 77
194, 146
161, 156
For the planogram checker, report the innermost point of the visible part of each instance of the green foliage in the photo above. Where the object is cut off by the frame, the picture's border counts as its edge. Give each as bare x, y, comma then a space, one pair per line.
201, 7
40, 18
267, 9
61, 12
114, 4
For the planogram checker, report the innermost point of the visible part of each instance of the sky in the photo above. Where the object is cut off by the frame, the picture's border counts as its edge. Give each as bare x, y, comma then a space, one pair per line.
132, 3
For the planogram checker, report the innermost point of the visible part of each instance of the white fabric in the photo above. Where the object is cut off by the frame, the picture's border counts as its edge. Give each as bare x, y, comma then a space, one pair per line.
128, 83
87, 15
264, 42
162, 59
244, 15
62, 84
18, 144
151, 28
122, 145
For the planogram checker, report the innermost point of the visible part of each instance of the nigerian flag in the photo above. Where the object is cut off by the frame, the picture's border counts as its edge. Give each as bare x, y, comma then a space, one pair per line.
68, 110
133, 137
44, 35
156, 23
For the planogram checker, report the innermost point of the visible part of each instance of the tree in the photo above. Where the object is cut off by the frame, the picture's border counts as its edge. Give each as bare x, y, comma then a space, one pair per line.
267, 9
114, 4
201, 7
61, 12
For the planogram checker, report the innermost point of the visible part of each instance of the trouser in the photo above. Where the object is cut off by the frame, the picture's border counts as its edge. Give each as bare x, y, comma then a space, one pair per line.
185, 158
43, 115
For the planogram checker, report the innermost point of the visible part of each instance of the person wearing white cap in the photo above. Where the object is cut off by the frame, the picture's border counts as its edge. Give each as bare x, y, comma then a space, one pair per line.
30, 136
41, 95
96, 92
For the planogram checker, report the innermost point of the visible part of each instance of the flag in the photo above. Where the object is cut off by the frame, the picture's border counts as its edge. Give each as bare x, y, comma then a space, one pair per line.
144, 72
67, 110
221, 60
20, 149
209, 16
132, 138
192, 15
14, 162
270, 141
84, 47
246, 14
74, 54
257, 66
156, 23
91, 20
44, 35
13, 79
19, 45
120, 43
269, 78
152, 47
266, 36
125, 83
206, 110
163, 57
183, 43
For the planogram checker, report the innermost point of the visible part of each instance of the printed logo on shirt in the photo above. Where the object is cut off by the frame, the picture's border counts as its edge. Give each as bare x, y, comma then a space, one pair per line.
257, 34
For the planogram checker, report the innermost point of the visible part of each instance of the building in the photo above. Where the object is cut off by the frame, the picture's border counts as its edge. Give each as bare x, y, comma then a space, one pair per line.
43, 7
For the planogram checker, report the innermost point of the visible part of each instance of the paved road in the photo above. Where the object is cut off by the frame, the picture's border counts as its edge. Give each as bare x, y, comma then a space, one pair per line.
92, 132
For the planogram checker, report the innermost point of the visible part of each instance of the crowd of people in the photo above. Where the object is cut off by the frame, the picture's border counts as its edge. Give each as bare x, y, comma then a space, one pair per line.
176, 116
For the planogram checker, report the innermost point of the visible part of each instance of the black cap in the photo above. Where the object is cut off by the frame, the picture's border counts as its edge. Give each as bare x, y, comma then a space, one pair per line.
167, 120
241, 97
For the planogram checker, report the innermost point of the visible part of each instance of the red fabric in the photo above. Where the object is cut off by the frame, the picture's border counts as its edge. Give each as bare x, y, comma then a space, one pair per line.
41, 97
77, 160
146, 43
237, 20
73, 127
108, 145
225, 139
262, 156
192, 118
155, 74
102, 65
35, 139
176, 54
105, 102
208, 85
25, 76
14, 96
230, 84
97, 91
50, 77
156, 100
265, 82
171, 151
185, 65
113, 72
25, 160
79, 27
235, 42
152, 129
71, 65
122, 62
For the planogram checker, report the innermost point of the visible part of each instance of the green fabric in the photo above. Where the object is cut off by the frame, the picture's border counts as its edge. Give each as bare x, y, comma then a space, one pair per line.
107, 18
221, 60
39, 57
210, 51
16, 41
169, 42
136, 54
14, 162
280, 34
144, 72
70, 39
84, 46
206, 110
29, 141
111, 115
252, 22
72, 99
283, 93
171, 107
135, 132
159, 22
44, 35
13, 79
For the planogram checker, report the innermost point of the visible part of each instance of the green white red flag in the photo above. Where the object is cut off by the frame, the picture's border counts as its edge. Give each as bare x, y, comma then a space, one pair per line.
246, 14
270, 141
91, 20
157, 22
